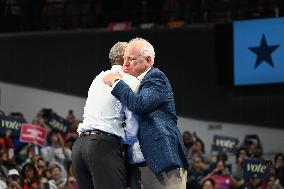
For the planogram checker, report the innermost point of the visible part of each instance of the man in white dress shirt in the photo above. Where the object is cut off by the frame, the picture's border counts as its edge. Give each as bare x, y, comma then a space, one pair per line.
98, 154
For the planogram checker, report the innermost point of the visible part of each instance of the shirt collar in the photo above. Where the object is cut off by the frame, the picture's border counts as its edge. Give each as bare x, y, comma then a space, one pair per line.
140, 77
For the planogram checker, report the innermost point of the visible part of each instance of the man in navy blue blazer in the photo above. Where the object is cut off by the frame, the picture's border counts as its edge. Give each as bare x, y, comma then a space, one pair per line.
160, 139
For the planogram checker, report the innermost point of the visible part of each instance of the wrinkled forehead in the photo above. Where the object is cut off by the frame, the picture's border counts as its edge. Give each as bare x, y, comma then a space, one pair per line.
133, 49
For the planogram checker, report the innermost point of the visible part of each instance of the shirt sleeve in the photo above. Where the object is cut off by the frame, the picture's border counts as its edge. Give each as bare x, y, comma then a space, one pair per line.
131, 81
114, 84
131, 127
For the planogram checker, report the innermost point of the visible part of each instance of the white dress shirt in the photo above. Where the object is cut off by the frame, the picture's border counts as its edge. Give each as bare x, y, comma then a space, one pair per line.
104, 112
141, 76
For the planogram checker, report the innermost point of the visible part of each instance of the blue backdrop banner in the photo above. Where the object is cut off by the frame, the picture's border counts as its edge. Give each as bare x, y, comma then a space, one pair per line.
258, 47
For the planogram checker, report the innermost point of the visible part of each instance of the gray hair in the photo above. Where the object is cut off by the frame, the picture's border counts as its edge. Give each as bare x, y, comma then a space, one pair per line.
117, 51
147, 49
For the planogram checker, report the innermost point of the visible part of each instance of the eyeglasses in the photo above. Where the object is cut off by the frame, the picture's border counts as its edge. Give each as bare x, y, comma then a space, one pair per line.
132, 58
129, 58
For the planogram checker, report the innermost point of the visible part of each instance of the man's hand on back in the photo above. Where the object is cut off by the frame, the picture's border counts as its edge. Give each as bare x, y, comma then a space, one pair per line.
111, 77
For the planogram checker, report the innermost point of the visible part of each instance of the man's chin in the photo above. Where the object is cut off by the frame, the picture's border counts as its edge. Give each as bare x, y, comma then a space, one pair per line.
127, 71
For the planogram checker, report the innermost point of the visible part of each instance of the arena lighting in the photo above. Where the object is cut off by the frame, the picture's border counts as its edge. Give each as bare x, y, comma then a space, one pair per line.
258, 52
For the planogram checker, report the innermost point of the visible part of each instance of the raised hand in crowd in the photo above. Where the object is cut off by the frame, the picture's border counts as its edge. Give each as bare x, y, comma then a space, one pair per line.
60, 140
14, 185
41, 167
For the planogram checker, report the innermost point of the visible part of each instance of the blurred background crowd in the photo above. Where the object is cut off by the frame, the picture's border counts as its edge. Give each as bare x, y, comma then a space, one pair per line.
30, 166
41, 15
223, 170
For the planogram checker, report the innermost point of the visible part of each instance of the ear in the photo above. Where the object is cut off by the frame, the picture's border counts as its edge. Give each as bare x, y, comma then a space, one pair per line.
149, 60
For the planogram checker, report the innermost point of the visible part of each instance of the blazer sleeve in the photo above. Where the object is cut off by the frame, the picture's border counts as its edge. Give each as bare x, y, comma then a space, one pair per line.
149, 97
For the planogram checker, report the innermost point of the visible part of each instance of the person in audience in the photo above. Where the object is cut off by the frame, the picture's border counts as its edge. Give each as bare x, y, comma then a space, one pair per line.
71, 116
71, 180
188, 141
56, 181
208, 184
279, 166
199, 149
3, 168
254, 183
237, 167
14, 179
9, 160
40, 121
221, 156
222, 177
70, 141
43, 183
71, 183
56, 151
31, 152
9, 142
196, 173
251, 142
279, 160
3, 185
41, 166
29, 176
258, 152
271, 183
72, 135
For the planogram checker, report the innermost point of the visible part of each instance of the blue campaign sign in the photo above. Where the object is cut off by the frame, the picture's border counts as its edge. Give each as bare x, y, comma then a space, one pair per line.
59, 123
258, 51
255, 168
225, 144
11, 123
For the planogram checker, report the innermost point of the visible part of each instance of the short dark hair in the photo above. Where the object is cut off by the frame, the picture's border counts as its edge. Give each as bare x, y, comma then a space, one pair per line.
277, 156
210, 180
53, 166
117, 51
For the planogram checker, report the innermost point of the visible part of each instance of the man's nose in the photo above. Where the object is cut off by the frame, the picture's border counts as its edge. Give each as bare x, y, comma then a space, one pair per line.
125, 63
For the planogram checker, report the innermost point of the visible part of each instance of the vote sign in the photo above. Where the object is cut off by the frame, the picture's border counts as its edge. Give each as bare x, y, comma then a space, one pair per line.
225, 144
33, 133
255, 168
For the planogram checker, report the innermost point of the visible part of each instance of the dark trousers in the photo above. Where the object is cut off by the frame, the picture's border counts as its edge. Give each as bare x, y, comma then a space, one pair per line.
98, 161
134, 177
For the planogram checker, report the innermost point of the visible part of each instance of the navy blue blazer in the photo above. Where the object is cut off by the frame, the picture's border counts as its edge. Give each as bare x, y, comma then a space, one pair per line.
159, 137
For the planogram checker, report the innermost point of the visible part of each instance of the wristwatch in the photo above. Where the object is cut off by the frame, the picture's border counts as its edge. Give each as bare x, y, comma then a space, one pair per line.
116, 80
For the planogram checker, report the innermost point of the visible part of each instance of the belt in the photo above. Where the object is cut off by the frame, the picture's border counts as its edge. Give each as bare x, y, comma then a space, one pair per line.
141, 164
96, 132
101, 135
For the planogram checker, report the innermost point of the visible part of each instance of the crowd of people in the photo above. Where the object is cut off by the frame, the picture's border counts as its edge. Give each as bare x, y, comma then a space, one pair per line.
38, 15
221, 172
30, 166
50, 166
